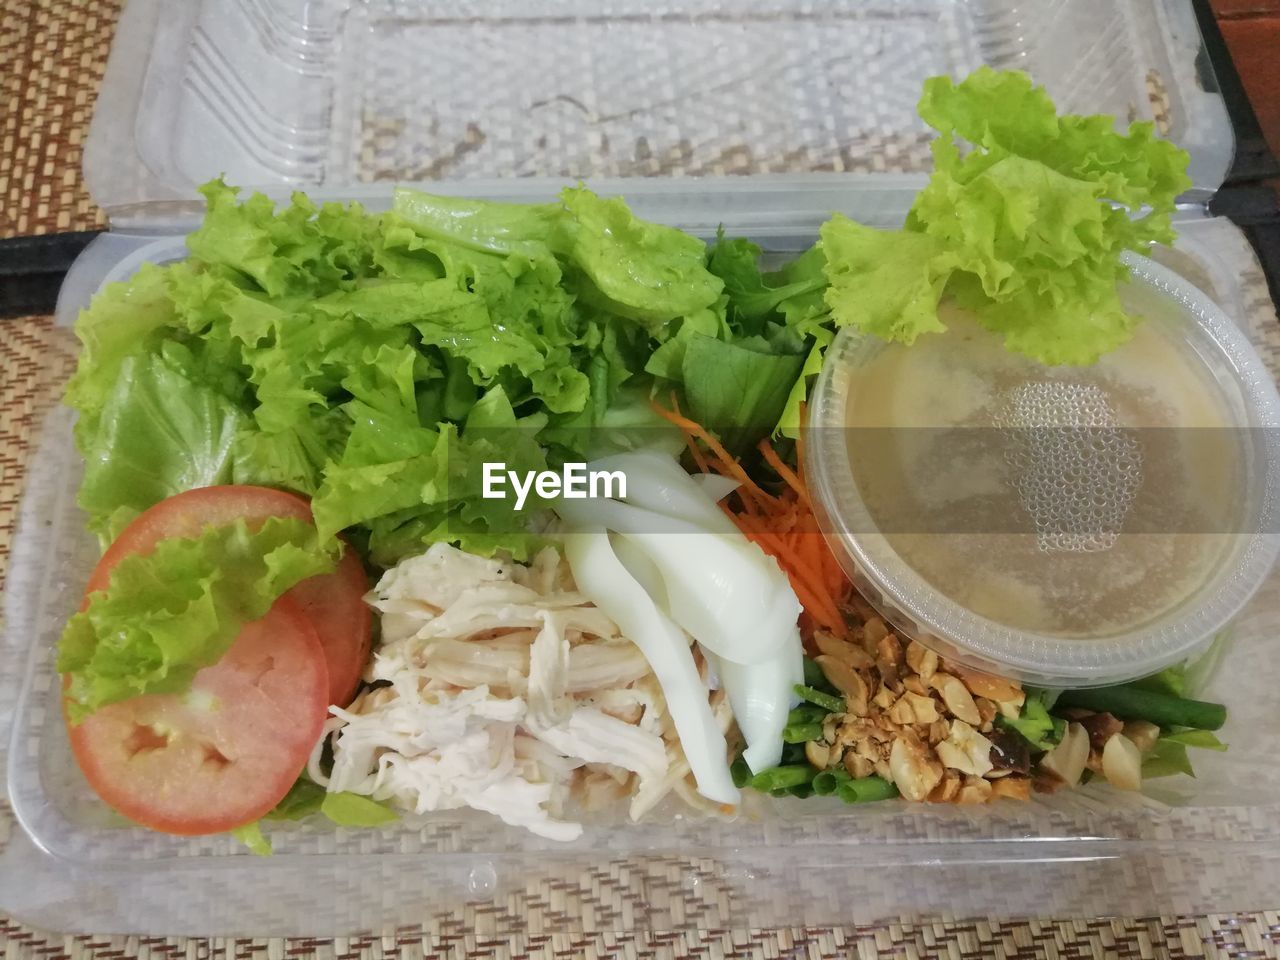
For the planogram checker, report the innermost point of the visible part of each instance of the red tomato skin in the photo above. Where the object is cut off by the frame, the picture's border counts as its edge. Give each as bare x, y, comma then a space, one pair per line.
343, 621
186, 514
334, 602
223, 754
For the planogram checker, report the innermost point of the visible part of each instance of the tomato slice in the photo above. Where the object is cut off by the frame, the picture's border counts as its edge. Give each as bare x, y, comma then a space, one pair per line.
334, 602
225, 752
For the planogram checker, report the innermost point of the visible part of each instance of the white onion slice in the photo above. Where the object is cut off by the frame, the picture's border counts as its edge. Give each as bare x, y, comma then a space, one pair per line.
656, 482
715, 485
690, 559
601, 576
640, 566
722, 588
761, 695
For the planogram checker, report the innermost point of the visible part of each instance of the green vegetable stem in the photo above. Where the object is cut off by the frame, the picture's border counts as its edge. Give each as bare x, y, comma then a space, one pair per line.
814, 677
1130, 702
801, 733
866, 790
828, 781
830, 703
782, 778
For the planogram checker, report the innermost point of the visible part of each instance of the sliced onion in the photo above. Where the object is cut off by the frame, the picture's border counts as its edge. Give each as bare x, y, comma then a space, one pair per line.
722, 588
601, 576
761, 695
694, 564
715, 485
640, 566
656, 482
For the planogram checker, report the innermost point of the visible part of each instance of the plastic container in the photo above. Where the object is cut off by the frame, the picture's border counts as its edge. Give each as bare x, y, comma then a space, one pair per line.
1239, 550
694, 110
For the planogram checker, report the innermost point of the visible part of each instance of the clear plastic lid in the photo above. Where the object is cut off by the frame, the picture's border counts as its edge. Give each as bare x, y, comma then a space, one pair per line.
1066, 526
761, 108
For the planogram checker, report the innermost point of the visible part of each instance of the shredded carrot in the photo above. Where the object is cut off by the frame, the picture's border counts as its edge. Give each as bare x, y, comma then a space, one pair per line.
771, 457
692, 443
728, 464
782, 524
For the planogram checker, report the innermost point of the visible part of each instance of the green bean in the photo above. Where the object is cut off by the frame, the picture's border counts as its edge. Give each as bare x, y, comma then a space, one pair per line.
781, 778
866, 790
828, 781
806, 713
1134, 703
825, 700
801, 732
813, 674
792, 753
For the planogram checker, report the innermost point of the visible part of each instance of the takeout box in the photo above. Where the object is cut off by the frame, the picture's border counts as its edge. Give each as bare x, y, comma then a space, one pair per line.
763, 116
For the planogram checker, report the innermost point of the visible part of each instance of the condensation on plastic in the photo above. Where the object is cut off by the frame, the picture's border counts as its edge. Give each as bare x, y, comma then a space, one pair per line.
760, 110
919, 610
1076, 484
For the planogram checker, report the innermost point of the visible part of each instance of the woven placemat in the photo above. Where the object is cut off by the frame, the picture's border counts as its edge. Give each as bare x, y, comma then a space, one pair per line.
52, 53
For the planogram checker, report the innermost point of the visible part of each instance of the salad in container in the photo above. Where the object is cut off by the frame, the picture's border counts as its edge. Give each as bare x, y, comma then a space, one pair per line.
569, 518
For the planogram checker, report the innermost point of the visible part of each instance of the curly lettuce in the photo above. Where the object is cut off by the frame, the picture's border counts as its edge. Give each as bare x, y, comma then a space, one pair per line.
374, 361
1025, 228
169, 613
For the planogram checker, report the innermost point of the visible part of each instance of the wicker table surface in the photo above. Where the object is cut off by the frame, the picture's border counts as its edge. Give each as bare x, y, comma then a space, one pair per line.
52, 54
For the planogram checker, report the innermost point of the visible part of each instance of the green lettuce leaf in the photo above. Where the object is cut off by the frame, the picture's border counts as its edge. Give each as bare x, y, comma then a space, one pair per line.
412, 485
251, 836
125, 319
1034, 722
739, 388
1171, 680
303, 799
885, 283
1025, 228
300, 250
1169, 754
791, 421
353, 810
169, 613
646, 271
1204, 739
743, 363
307, 798
755, 296
1167, 758
483, 225
358, 358
159, 433
390, 464
667, 361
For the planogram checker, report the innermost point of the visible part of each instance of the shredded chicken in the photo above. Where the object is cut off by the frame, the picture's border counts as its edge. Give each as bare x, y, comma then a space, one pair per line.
499, 687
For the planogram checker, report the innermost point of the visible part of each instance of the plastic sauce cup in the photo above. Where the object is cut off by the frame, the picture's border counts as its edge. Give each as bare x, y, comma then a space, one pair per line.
963, 618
